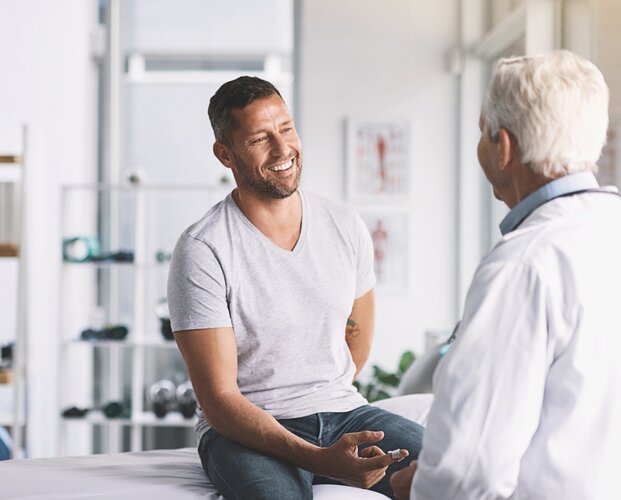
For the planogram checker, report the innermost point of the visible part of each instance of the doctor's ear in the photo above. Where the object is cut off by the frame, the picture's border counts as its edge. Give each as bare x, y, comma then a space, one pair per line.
509, 149
223, 153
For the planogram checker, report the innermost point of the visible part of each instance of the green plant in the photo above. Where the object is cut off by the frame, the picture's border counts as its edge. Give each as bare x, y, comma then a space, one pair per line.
382, 384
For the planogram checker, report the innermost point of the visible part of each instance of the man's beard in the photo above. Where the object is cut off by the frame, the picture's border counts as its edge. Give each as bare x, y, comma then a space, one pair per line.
268, 187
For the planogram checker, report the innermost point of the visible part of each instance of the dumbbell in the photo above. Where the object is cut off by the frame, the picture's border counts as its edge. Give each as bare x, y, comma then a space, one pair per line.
113, 409
112, 332
163, 314
186, 399
163, 396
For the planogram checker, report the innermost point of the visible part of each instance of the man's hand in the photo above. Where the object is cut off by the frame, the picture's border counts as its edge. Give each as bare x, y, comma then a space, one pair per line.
401, 481
341, 461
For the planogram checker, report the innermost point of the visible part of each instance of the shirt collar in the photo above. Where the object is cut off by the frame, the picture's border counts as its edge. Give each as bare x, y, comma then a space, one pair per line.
567, 184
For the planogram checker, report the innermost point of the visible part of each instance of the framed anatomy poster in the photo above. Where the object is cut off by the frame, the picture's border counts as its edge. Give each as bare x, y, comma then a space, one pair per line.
377, 160
389, 232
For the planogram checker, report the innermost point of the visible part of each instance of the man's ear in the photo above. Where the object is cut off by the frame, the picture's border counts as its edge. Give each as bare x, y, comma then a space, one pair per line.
508, 148
223, 153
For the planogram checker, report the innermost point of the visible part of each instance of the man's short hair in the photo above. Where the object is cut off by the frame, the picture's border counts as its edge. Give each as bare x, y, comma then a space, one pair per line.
556, 106
236, 94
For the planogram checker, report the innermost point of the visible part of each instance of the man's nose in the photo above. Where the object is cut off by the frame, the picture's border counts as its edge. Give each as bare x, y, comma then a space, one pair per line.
279, 146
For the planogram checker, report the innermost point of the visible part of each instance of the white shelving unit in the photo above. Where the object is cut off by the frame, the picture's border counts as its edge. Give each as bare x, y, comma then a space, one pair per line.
13, 383
95, 293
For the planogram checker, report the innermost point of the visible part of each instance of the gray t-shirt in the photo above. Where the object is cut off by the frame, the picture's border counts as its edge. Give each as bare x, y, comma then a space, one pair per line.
288, 309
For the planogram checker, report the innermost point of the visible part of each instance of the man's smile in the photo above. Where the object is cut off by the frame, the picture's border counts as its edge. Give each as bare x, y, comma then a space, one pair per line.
282, 167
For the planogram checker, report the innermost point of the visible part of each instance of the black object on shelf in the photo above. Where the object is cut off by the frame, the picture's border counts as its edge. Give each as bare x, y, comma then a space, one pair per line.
120, 256
6, 352
186, 399
75, 412
112, 332
6, 357
161, 311
188, 410
166, 329
113, 409
116, 409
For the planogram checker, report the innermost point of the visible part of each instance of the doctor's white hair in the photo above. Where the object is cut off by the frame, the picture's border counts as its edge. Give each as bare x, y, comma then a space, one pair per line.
556, 106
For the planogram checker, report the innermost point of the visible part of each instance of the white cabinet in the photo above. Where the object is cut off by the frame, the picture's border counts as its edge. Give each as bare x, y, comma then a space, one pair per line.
117, 242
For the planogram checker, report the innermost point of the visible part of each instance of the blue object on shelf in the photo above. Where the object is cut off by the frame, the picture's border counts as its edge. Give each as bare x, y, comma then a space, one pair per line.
80, 248
6, 445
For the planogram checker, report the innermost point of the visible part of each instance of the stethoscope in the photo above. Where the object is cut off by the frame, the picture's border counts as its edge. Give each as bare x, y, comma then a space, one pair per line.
447, 344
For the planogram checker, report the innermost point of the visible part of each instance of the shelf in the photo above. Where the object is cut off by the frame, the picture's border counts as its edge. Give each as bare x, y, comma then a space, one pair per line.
163, 344
10, 160
172, 419
10, 172
109, 265
14, 381
7, 377
144, 187
142, 219
9, 251
147, 419
7, 419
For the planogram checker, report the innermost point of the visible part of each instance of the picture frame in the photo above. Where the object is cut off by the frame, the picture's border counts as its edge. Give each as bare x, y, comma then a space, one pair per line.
377, 160
389, 230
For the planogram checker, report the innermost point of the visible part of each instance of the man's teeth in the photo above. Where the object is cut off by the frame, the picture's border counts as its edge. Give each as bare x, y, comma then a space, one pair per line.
284, 166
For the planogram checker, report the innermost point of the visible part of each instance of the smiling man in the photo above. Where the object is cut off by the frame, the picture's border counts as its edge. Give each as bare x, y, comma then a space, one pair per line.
272, 305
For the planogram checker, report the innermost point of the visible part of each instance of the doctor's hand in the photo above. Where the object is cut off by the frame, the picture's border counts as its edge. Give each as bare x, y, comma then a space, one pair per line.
341, 461
401, 481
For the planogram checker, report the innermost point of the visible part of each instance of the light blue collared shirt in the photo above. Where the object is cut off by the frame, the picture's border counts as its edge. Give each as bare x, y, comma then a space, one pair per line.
567, 184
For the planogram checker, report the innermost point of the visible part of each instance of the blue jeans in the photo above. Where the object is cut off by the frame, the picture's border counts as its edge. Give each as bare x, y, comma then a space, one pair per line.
241, 473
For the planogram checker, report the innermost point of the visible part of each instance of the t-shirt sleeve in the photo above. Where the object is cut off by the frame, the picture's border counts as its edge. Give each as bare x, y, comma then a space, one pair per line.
365, 275
196, 287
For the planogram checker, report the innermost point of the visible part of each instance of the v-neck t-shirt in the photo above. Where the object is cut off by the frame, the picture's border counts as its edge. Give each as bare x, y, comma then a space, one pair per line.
288, 308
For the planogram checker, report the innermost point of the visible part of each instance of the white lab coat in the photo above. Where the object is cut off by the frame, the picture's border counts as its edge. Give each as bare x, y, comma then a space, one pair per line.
528, 398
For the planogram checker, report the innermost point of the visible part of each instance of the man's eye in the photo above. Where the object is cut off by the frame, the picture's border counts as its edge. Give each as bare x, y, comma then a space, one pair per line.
259, 139
288, 129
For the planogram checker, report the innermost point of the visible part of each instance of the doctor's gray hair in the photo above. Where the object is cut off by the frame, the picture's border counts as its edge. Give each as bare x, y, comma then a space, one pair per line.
556, 106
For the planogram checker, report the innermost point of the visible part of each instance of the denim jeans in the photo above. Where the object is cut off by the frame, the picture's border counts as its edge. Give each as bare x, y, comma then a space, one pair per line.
241, 473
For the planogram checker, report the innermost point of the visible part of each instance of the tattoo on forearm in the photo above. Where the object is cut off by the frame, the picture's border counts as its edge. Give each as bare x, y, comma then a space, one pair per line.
352, 329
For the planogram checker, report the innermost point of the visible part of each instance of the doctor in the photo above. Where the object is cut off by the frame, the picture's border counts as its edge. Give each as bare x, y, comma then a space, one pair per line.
528, 398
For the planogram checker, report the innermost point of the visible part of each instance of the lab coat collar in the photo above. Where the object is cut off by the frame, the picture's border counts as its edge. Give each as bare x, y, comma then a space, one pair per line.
562, 186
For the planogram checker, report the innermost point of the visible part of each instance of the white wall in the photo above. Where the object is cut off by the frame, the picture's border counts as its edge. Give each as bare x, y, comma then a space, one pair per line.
47, 82
606, 50
370, 59
212, 27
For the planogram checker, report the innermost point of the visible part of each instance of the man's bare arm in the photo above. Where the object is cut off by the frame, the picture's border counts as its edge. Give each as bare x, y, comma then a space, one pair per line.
211, 359
360, 328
